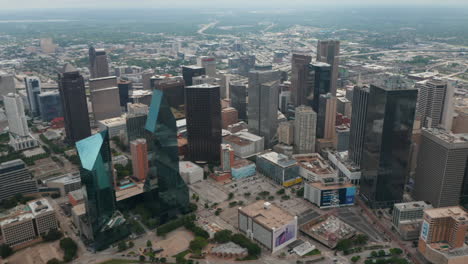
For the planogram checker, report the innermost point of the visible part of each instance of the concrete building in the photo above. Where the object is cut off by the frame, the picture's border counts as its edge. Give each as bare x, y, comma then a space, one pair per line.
279, 168
358, 124
65, 183
33, 89
105, 98
227, 158
304, 129
14, 110
285, 102
441, 174
435, 103
407, 218
15, 179
238, 96
7, 84
286, 132
188, 72
245, 144
341, 140
50, 105
343, 106
229, 116
301, 79
98, 64
330, 193
344, 166
268, 224
443, 232
313, 167
209, 63
328, 52
190, 172
205, 79
139, 151
243, 168
117, 126
172, 86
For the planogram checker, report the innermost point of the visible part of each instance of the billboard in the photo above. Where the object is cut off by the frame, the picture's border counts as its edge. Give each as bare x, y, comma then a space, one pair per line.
337, 197
285, 235
424, 230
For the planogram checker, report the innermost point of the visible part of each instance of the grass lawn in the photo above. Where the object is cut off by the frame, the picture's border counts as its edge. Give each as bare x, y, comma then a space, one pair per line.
313, 253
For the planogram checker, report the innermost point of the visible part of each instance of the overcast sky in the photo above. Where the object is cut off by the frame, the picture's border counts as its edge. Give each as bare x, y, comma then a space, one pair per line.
22, 4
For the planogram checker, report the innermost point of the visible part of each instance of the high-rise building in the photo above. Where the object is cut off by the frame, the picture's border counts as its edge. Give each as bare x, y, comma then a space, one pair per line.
322, 82
33, 90
139, 151
15, 178
50, 105
358, 124
286, 132
105, 224
7, 84
263, 104
14, 109
443, 232
389, 125
300, 79
136, 120
124, 92
304, 129
246, 64
342, 138
227, 157
284, 102
435, 103
229, 116
407, 218
173, 88
165, 191
326, 117
105, 98
328, 52
238, 96
188, 72
442, 171
98, 64
209, 63
203, 114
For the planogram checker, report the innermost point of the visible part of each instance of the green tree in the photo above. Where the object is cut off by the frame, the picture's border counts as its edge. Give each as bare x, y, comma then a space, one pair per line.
5, 251
223, 236
374, 254
300, 192
69, 247
142, 258
131, 244
230, 196
361, 239
149, 244
381, 253
396, 251
344, 244
281, 191
163, 260
368, 261
121, 246
355, 259
197, 244
54, 261
52, 235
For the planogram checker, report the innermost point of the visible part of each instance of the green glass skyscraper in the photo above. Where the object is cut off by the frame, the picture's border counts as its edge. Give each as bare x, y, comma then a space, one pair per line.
166, 192
105, 225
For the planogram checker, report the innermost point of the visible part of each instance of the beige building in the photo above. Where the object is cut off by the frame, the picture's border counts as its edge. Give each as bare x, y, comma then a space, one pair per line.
286, 132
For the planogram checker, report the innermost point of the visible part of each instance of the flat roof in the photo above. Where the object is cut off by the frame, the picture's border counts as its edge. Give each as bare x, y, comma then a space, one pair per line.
40, 206
315, 163
332, 186
413, 205
279, 159
455, 212
203, 85
267, 214
113, 121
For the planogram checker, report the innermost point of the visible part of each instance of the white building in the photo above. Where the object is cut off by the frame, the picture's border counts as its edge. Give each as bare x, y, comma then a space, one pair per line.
117, 126
209, 63
65, 183
245, 144
304, 129
268, 224
190, 172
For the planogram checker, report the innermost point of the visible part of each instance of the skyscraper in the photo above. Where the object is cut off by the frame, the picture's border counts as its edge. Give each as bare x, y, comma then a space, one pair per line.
139, 151
209, 63
300, 79
14, 109
435, 103
165, 190
50, 105
173, 88
263, 104
358, 124
238, 96
203, 113
124, 90
442, 171
75, 107
136, 120
33, 89
7, 84
188, 72
98, 65
304, 129
105, 98
105, 223
286, 132
326, 117
15, 178
328, 52
389, 125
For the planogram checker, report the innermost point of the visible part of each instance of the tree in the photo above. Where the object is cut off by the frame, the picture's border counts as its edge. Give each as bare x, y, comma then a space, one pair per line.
361, 239
368, 261
197, 244
142, 258
149, 244
230, 196
69, 247
223, 236
54, 261
5, 251
163, 260
52, 235
281, 191
121, 246
300, 192
396, 251
193, 207
355, 259
344, 244
374, 254
381, 253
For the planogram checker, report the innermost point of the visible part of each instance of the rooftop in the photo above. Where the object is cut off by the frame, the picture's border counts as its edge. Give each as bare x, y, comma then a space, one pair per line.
267, 214
455, 212
315, 163
279, 159
332, 186
448, 137
113, 121
66, 178
203, 85
413, 205
40, 206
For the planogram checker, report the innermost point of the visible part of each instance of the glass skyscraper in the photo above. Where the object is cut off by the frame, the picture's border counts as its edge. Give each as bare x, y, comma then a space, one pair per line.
389, 126
105, 224
165, 191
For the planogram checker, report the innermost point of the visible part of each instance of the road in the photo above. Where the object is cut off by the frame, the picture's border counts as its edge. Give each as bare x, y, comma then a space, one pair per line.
206, 27
396, 51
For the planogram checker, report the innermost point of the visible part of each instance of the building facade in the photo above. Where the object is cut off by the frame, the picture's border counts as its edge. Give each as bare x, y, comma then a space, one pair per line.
50, 105
304, 129
98, 64
139, 151
105, 98
358, 124
33, 90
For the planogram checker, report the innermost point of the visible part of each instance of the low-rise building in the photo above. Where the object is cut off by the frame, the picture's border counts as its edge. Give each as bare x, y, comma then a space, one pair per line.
345, 167
268, 224
117, 126
280, 168
243, 168
407, 218
330, 192
190, 172
245, 144
15, 179
65, 183
313, 167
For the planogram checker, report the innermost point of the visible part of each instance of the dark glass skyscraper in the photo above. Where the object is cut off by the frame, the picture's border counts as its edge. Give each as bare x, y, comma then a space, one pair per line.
322, 82
389, 126
203, 113
124, 89
98, 64
166, 192
238, 96
188, 72
74, 105
300, 74
105, 224
328, 52
358, 124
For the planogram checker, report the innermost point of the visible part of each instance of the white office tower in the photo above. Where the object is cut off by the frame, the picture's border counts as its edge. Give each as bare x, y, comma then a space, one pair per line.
33, 90
304, 129
18, 126
209, 63
435, 103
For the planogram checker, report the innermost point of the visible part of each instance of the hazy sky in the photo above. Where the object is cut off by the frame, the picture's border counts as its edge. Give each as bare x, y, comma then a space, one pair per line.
22, 4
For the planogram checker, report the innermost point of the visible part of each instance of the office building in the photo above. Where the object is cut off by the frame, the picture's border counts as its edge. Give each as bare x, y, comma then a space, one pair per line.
345, 167
280, 168
322, 82
313, 167
343, 106
229, 116
389, 125
191, 172
328, 52
263, 104
243, 168
188, 72
268, 224
286, 132
139, 151
209, 63
330, 193
407, 218
135, 121
358, 124
104, 225
172, 86
116, 126
74, 105
105, 98
435, 103
245, 144
300, 79
326, 117
50, 105
342, 138
227, 157
33, 89
7, 84
15, 179
124, 92
209, 80
20, 138
65, 183
246, 64
443, 232
98, 65
166, 194
441, 174
304, 129
285, 102
238, 96
203, 114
